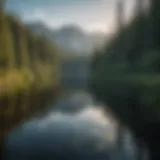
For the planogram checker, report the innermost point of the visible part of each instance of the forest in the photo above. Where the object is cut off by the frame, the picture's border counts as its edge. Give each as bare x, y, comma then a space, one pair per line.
126, 74
29, 73
24, 58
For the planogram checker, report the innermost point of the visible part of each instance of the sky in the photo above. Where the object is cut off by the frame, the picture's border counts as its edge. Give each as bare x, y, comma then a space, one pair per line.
91, 15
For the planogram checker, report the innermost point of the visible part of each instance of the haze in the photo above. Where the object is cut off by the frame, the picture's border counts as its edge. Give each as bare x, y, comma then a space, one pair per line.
91, 15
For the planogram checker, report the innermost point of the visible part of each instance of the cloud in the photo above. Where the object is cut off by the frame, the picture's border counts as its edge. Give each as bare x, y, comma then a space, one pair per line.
95, 20
89, 14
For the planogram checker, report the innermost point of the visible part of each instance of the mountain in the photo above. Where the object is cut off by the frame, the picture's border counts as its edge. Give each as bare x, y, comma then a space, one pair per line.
71, 38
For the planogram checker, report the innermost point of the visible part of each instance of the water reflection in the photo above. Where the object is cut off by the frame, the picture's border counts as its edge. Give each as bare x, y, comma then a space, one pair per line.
74, 128
75, 101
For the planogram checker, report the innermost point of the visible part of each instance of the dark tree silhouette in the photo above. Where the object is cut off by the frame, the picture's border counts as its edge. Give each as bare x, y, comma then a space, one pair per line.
130, 79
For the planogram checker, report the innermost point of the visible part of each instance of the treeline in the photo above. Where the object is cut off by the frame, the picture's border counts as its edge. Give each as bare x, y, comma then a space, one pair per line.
125, 75
29, 73
25, 56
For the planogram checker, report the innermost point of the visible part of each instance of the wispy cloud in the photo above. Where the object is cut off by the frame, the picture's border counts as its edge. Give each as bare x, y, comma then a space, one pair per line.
89, 14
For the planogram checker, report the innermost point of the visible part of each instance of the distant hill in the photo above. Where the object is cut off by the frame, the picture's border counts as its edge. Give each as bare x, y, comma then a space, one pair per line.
71, 38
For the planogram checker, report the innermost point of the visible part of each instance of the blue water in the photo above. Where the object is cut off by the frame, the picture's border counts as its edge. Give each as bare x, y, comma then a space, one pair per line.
74, 128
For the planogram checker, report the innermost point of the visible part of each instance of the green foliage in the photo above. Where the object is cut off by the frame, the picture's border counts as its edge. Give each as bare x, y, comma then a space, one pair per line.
22, 49
6, 43
28, 67
126, 76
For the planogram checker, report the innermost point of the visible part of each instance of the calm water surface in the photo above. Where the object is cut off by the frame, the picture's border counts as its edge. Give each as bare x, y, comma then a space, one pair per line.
74, 128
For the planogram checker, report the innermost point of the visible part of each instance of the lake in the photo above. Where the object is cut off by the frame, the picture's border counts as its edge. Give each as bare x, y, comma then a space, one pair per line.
74, 128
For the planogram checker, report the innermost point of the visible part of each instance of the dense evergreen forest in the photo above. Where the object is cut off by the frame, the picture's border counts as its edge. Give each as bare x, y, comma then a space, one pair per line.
29, 73
126, 75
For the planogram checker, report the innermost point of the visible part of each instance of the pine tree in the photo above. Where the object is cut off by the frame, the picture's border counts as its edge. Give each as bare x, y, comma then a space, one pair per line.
138, 39
23, 49
15, 33
155, 17
6, 43
120, 14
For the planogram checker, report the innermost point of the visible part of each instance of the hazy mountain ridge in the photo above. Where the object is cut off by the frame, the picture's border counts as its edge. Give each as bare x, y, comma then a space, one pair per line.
70, 37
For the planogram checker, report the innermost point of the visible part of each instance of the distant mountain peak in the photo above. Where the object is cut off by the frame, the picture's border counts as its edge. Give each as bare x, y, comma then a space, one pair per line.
70, 37
39, 24
73, 27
